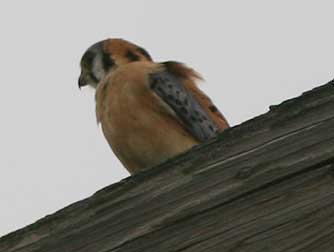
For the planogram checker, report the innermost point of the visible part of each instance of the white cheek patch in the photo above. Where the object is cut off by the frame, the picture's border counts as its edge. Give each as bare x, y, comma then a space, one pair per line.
97, 68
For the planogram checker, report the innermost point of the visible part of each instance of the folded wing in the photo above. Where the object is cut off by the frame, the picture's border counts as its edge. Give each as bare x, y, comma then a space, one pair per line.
169, 84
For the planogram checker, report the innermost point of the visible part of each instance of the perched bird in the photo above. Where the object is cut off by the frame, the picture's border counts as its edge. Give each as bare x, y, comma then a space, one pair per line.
148, 111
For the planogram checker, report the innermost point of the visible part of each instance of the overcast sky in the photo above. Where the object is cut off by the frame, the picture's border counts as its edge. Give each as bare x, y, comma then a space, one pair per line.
251, 53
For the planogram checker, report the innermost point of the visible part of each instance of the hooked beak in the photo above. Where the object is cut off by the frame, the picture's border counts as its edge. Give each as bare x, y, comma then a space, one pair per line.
81, 82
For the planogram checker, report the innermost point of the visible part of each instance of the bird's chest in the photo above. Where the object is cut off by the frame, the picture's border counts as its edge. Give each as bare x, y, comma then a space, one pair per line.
126, 107
123, 114
130, 126
139, 134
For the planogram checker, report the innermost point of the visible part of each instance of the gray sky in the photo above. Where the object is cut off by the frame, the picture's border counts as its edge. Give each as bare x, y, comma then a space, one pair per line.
251, 53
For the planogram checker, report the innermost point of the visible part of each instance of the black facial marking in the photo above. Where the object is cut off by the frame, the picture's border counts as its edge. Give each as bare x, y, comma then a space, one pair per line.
91, 75
107, 62
211, 128
213, 108
132, 56
144, 53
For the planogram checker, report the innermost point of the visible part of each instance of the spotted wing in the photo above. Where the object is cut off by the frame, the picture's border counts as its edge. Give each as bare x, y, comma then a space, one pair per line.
168, 86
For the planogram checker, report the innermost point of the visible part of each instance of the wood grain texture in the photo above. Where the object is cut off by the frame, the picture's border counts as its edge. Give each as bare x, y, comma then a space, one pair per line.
265, 185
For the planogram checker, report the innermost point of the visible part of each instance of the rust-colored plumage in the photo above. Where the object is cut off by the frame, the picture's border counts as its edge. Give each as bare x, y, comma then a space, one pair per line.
148, 111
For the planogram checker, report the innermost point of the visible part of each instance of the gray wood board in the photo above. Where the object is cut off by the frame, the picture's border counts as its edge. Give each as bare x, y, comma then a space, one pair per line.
265, 185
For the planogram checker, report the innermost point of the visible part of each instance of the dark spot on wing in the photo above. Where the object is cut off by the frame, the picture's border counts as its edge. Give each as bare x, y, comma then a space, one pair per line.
183, 110
178, 102
132, 56
153, 84
193, 118
170, 97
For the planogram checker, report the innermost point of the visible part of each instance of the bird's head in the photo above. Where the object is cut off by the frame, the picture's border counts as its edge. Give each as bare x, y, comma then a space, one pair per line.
107, 55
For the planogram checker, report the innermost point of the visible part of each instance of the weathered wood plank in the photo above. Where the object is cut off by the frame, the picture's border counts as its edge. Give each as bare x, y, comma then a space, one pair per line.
266, 185
264, 220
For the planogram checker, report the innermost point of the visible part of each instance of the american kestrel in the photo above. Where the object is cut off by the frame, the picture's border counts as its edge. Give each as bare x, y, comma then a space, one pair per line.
149, 112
